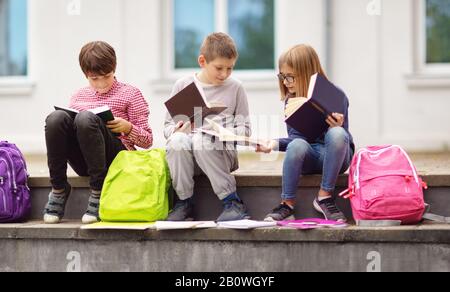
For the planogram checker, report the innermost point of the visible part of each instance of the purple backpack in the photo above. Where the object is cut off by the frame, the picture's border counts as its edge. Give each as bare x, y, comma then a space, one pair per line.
15, 201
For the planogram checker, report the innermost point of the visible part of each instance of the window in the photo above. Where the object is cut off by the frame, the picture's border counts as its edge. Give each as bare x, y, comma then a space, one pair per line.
249, 22
13, 38
437, 31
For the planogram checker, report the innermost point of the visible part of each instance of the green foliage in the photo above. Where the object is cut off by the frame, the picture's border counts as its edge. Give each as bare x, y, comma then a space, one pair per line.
438, 31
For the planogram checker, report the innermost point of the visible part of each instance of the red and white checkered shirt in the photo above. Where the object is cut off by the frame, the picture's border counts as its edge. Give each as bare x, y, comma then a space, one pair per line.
126, 102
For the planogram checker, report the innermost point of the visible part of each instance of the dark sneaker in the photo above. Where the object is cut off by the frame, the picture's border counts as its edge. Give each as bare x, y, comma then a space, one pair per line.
329, 210
280, 213
91, 215
55, 208
234, 210
182, 211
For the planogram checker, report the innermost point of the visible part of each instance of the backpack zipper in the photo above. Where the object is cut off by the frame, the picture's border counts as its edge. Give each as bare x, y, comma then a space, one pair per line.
378, 152
10, 173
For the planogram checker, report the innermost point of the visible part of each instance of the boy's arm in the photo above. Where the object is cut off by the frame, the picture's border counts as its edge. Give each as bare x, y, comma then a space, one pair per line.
169, 126
141, 133
169, 123
242, 125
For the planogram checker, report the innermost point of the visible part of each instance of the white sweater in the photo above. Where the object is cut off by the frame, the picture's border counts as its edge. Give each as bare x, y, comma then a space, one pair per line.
231, 93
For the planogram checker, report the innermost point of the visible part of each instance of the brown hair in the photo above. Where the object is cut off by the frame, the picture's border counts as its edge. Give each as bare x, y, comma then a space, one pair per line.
305, 62
219, 45
98, 58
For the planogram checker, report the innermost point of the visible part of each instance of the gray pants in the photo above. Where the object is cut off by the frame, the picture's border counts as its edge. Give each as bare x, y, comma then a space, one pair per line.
190, 155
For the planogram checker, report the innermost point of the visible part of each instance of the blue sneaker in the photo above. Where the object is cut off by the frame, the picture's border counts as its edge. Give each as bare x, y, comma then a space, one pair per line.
182, 211
234, 210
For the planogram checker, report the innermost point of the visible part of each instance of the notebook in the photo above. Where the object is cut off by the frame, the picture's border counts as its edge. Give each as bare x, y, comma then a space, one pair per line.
312, 223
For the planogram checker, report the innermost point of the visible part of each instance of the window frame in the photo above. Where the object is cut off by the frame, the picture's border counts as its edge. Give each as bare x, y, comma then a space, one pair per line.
421, 63
20, 85
221, 24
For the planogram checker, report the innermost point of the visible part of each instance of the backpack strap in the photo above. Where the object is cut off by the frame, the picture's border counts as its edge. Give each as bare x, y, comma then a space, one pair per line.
378, 223
434, 217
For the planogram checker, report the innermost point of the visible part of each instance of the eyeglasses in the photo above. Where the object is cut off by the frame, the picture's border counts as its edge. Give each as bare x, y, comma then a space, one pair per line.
287, 78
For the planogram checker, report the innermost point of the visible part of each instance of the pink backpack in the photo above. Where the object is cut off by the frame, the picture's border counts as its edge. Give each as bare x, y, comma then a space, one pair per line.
384, 185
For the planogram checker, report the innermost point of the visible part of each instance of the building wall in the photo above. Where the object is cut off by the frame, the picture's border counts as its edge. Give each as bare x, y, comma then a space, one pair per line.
370, 57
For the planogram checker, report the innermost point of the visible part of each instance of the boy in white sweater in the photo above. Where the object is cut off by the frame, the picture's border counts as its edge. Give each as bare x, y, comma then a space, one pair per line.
190, 153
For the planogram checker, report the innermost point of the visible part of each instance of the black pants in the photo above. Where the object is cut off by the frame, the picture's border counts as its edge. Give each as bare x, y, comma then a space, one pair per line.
85, 143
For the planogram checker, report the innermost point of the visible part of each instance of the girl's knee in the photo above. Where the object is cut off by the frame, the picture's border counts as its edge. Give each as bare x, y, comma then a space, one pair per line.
298, 147
338, 136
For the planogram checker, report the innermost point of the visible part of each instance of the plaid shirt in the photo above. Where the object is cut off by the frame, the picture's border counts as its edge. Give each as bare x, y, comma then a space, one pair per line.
126, 102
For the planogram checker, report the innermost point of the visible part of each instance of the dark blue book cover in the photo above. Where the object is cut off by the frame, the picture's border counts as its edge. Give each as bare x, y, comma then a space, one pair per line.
324, 98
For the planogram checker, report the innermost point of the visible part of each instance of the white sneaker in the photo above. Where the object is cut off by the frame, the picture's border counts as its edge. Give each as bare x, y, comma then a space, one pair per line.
51, 219
89, 219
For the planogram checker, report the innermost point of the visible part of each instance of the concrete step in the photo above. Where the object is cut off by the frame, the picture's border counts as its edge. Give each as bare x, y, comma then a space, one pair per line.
259, 184
65, 247
261, 193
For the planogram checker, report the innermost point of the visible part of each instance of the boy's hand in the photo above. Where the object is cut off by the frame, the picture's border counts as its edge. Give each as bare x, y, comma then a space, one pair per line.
335, 120
119, 126
179, 125
182, 127
267, 148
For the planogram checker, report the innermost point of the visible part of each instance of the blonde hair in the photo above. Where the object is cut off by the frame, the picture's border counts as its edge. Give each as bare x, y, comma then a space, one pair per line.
305, 62
219, 45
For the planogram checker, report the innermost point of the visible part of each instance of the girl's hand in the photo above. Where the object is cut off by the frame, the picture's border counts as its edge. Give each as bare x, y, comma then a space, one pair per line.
335, 120
267, 148
119, 126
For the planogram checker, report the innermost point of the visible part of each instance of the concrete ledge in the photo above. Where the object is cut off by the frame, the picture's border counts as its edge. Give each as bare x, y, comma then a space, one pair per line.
250, 180
426, 233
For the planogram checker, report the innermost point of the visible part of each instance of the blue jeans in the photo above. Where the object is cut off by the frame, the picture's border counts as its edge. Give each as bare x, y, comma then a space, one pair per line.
330, 159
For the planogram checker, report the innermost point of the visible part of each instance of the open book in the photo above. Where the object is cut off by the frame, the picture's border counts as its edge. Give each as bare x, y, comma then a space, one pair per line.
246, 224
190, 102
308, 114
104, 112
225, 135
170, 225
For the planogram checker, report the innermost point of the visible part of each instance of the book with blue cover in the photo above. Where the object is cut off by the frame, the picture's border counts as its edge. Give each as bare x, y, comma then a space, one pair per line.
308, 114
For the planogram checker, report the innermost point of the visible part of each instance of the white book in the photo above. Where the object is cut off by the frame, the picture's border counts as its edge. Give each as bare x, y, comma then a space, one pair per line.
246, 224
225, 135
104, 112
171, 225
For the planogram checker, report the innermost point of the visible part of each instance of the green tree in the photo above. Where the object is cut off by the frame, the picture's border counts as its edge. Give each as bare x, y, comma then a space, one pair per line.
257, 47
438, 31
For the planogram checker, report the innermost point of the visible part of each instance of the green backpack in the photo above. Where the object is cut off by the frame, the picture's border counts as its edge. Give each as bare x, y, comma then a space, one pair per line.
136, 188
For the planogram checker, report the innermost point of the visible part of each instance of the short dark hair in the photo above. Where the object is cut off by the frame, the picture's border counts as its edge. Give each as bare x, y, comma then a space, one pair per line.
98, 58
219, 45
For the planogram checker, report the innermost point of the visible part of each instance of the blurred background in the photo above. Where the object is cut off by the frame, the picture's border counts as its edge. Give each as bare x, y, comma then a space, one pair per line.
391, 57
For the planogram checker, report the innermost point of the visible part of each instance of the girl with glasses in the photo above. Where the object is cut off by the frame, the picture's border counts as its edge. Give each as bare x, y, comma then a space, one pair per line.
330, 155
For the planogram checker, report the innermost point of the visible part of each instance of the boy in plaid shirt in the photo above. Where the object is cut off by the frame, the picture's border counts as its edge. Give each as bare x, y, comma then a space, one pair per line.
87, 143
